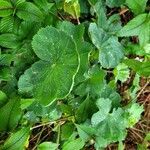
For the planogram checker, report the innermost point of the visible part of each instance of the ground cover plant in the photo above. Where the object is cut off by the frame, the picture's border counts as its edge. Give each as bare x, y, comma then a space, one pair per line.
74, 74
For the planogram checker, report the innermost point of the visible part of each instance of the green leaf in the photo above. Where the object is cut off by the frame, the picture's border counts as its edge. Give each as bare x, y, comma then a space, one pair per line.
121, 146
9, 40
110, 93
112, 129
6, 8
75, 31
66, 109
12, 113
44, 5
111, 53
84, 7
49, 113
5, 59
84, 48
66, 130
3, 98
114, 24
84, 52
104, 106
25, 103
144, 34
94, 82
83, 111
114, 3
98, 35
72, 7
134, 114
5, 74
30, 12
100, 10
142, 68
138, 26
110, 50
136, 49
147, 138
85, 131
17, 140
17, 2
147, 49
52, 77
136, 6
28, 29
76, 144
111, 25
121, 72
132, 28
47, 146
6, 24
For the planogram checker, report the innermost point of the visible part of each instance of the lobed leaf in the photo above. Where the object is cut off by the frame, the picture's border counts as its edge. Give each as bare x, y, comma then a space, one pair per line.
53, 76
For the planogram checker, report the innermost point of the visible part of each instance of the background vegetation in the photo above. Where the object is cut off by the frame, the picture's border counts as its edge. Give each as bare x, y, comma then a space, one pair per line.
74, 74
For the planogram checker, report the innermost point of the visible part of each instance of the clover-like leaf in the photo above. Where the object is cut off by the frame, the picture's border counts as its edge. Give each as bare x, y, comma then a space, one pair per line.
53, 76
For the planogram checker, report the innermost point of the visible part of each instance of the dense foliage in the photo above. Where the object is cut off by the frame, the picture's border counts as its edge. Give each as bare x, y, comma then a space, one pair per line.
61, 62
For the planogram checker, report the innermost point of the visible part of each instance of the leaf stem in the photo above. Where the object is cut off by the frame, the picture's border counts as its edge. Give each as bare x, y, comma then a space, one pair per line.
58, 135
50, 123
